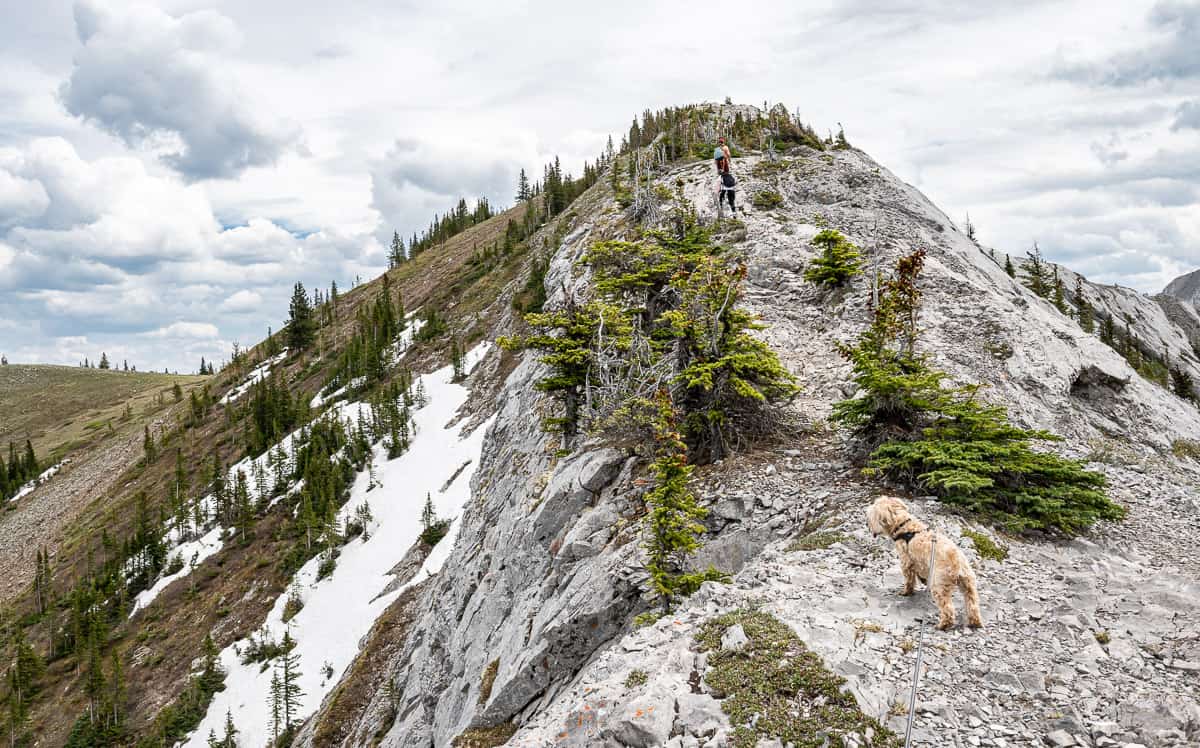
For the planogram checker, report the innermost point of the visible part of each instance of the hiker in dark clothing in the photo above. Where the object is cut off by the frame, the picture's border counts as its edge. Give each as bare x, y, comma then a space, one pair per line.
728, 191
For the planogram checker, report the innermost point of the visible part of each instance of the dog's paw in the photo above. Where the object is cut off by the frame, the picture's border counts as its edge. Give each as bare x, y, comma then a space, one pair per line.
975, 624
905, 592
943, 625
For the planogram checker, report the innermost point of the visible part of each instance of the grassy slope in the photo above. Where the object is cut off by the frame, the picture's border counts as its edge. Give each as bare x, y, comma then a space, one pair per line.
231, 592
61, 408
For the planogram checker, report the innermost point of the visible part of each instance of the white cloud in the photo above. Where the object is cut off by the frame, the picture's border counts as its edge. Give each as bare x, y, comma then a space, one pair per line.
242, 301
156, 80
186, 331
406, 107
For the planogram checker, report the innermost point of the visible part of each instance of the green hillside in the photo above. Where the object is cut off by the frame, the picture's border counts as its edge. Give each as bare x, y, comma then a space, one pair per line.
60, 408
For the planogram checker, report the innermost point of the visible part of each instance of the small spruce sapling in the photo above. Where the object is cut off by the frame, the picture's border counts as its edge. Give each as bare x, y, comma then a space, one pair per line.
838, 262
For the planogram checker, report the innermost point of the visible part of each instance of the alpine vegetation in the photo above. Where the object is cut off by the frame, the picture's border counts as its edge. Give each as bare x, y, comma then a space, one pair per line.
946, 440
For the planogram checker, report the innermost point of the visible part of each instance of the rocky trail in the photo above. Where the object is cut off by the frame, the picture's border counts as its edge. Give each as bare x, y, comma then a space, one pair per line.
1091, 642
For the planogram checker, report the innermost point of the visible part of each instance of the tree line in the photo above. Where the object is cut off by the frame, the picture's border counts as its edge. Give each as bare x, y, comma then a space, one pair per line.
21, 468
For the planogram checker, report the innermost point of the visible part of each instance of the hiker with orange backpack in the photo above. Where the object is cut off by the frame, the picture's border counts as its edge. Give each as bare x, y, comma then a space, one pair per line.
728, 188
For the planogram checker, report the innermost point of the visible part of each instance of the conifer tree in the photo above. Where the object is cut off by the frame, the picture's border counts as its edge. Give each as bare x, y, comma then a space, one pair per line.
1182, 384
148, 447
673, 521
945, 440
275, 702
1084, 312
838, 262
1108, 333
457, 361
1059, 295
104, 360
1036, 277
396, 253
289, 685
301, 327
523, 191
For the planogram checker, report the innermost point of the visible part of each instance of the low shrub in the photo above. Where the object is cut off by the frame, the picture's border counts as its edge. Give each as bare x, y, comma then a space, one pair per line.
766, 200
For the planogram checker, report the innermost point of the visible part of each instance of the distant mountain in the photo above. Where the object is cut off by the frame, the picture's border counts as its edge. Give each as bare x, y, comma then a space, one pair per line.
1185, 288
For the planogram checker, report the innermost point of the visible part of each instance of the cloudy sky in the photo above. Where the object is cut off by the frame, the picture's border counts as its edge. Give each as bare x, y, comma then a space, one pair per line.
169, 169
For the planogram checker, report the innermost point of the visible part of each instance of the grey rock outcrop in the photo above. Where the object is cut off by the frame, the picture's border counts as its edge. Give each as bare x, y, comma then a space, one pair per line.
545, 575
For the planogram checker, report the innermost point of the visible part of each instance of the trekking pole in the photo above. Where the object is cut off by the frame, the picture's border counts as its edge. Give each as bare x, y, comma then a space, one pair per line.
912, 698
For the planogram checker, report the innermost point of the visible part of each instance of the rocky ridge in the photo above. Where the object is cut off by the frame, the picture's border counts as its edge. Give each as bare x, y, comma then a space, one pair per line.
1091, 642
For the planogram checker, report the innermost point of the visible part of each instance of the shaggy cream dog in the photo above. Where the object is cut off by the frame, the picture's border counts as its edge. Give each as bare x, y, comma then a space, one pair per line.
889, 516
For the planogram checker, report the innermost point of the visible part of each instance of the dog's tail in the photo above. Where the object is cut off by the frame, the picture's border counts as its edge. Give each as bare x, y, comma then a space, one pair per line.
966, 583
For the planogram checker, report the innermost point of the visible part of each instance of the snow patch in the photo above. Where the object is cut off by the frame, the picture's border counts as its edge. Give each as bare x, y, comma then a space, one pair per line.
192, 553
340, 609
259, 373
46, 475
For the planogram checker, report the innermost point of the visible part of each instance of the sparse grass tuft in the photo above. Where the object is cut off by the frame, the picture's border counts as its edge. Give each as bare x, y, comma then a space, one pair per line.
986, 547
817, 541
485, 737
1102, 637
1186, 448
775, 687
487, 680
636, 678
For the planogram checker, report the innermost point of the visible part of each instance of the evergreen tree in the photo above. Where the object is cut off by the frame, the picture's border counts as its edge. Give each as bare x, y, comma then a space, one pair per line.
945, 440
838, 261
32, 468
1108, 333
275, 702
1036, 277
457, 360
148, 447
289, 685
674, 518
1182, 384
104, 360
396, 253
301, 327
1084, 312
523, 191
1059, 297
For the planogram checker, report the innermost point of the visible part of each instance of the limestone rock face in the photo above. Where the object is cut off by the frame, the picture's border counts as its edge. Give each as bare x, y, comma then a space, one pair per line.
1091, 641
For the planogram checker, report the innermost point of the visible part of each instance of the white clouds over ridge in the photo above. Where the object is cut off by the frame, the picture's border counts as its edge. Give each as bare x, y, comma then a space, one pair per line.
183, 162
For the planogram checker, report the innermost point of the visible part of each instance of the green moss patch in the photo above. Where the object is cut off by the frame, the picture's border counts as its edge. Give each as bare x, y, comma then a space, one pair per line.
775, 687
985, 546
636, 678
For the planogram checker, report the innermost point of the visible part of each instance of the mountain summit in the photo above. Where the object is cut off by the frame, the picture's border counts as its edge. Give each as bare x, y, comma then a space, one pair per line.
1185, 288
